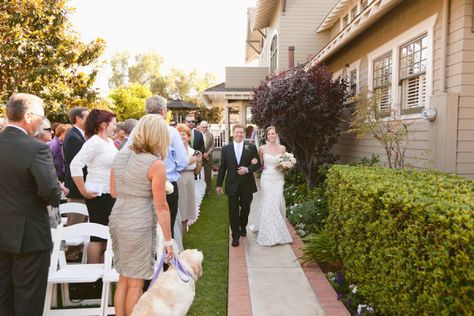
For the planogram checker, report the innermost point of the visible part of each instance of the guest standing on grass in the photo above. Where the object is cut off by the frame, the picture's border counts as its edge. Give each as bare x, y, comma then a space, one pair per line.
28, 185
138, 181
177, 157
98, 154
207, 154
186, 184
56, 146
73, 142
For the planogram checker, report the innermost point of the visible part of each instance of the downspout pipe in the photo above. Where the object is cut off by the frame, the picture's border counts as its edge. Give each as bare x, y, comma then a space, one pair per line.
444, 44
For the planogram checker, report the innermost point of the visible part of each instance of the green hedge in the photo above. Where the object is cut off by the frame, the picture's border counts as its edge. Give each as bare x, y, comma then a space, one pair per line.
405, 237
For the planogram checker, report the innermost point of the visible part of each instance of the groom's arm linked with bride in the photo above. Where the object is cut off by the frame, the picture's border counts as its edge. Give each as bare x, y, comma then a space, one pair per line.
239, 184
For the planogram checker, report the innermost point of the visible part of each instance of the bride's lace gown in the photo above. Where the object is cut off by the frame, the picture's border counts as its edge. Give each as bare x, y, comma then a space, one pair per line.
272, 229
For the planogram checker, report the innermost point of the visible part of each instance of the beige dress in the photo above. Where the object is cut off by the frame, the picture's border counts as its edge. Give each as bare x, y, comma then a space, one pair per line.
132, 222
186, 187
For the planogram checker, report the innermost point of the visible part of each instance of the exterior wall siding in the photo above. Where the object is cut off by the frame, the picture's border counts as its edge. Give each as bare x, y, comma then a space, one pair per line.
425, 138
244, 77
462, 69
298, 28
419, 151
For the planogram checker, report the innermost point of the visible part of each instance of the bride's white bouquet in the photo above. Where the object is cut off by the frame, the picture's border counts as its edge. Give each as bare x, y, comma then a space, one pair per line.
287, 161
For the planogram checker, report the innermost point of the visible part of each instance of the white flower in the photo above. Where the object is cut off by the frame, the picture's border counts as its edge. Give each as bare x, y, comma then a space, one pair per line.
370, 309
169, 188
354, 288
331, 276
360, 307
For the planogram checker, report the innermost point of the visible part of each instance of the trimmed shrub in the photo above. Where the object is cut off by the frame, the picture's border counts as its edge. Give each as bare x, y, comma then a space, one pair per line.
406, 238
308, 217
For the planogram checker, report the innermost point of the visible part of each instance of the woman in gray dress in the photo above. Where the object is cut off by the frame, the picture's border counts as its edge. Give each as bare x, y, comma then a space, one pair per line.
138, 181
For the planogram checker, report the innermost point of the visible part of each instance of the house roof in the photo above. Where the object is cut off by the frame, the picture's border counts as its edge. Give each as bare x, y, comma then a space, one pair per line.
253, 40
180, 105
375, 10
341, 7
222, 88
262, 14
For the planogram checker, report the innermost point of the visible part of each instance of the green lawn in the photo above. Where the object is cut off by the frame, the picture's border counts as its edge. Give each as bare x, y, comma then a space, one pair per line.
210, 235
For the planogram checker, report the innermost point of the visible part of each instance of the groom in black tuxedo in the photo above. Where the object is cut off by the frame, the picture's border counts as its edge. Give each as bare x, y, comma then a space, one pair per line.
239, 161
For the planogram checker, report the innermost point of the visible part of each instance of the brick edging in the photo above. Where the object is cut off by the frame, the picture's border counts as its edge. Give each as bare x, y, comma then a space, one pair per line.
325, 293
238, 300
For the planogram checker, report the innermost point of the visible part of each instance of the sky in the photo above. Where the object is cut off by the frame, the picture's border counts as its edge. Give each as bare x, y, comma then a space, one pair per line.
204, 34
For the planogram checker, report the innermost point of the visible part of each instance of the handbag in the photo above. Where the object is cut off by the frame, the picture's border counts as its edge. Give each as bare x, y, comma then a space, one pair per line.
198, 168
54, 216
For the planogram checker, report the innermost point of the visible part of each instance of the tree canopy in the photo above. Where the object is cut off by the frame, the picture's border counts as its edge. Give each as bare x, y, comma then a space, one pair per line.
41, 54
129, 101
130, 71
307, 109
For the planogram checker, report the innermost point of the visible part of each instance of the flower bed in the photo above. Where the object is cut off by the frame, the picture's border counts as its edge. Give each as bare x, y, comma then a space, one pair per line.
405, 237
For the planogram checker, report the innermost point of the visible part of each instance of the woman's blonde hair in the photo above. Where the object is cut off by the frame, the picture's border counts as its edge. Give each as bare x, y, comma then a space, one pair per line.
151, 136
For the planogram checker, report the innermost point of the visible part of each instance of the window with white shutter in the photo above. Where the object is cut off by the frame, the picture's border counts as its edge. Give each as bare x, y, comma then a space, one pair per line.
413, 62
273, 54
383, 81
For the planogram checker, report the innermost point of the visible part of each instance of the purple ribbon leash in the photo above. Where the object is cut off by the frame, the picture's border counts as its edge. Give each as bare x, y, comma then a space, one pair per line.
182, 273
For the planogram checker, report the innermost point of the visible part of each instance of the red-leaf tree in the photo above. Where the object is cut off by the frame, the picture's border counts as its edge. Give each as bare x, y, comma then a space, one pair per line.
307, 108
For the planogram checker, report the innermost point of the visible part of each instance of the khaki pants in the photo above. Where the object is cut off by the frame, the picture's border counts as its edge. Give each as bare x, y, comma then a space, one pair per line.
207, 165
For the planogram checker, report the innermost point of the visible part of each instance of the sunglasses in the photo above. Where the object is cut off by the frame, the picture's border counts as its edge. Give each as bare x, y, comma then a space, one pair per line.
173, 124
47, 129
191, 122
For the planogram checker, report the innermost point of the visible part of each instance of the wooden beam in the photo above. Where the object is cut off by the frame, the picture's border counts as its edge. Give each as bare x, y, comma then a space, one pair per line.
249, 43
472, 19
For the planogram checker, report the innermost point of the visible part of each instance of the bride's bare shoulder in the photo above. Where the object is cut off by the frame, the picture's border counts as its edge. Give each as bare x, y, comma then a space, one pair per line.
262, 148
282, 149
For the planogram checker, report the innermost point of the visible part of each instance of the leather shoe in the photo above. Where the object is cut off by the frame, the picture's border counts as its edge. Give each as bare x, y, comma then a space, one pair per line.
235, 243
243, 232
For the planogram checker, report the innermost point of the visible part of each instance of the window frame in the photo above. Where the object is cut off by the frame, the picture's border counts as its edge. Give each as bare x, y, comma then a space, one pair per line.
273, 60
394, 46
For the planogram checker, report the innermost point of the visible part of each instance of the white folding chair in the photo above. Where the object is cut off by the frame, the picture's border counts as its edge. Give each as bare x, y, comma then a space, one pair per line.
51, 289
75, 208
78, 273
111, 275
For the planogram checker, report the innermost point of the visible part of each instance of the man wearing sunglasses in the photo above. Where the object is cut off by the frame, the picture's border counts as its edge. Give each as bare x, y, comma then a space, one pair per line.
29, 183
197, 139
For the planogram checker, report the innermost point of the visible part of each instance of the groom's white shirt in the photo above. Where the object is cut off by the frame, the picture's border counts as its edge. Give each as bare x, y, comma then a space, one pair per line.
238, 150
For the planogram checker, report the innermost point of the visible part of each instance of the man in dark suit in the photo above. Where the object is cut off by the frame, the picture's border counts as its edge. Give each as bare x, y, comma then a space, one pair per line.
239, 161
197, 139
72, 144
29, 183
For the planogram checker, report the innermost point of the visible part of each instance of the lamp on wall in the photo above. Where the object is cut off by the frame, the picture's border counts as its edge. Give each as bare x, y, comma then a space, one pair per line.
429, 114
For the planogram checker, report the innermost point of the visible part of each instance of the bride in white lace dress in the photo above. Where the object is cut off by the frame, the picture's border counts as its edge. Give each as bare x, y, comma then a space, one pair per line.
271, 225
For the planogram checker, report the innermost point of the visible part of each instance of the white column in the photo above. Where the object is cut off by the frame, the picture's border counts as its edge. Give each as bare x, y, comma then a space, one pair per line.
226, 122
243, 113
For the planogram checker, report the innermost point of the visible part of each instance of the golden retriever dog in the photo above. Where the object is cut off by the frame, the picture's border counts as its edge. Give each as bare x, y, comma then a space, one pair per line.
169, 295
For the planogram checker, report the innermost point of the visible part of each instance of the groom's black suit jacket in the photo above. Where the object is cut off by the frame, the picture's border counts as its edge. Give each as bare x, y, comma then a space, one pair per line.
229, 166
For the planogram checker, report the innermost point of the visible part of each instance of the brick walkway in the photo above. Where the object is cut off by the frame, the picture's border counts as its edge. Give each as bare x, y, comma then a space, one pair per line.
270, 281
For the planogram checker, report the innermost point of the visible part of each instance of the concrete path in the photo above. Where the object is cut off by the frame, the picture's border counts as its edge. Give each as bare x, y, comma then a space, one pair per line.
277, 283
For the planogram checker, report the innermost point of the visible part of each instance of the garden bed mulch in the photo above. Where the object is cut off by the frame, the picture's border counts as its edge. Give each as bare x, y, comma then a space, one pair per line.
325, 293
